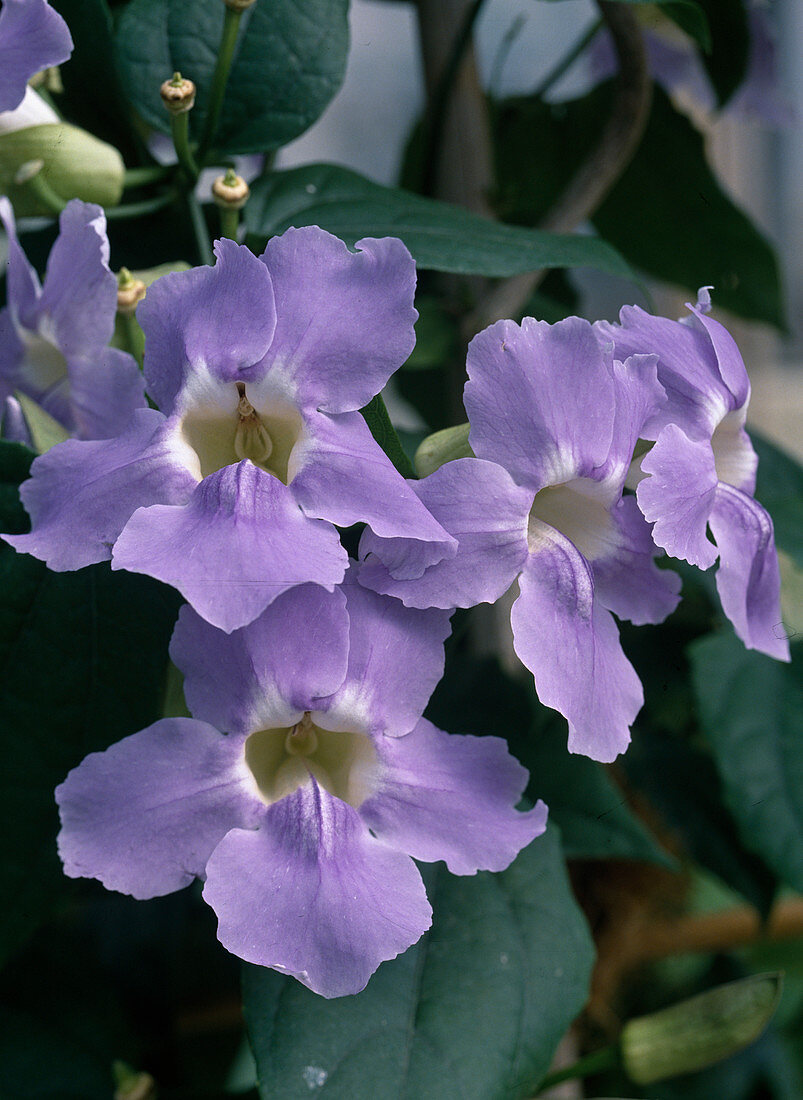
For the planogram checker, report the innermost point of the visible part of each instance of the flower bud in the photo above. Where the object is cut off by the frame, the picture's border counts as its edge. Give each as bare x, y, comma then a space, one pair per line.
75, 165
239, 5
230, 192
178, 94
130, 292
700, 1031
441, 447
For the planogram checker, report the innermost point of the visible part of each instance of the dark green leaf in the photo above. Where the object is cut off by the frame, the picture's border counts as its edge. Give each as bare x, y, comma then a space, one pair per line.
667, 214
726, 61
688, 14
441, 237
377, 419
751, 710
474, 1011
779, 487
290, 61
82, 657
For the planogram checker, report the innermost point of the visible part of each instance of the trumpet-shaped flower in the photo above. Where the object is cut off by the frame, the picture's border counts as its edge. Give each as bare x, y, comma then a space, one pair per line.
303, 817
53, 337
259, 368
554, 419
32, 37
700, 473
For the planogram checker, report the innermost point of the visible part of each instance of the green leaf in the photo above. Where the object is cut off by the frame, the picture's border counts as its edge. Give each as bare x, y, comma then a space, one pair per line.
473, 1011
751, 709
779, 487
667, 214
82, 657
45, 431
290, 61
377, 419
726, 61
441, 237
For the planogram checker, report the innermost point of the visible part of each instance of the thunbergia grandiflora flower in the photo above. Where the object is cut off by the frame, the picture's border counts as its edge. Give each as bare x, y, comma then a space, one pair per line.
230, 492
53, 336
554, 420
700, 473
32, 37
303, 817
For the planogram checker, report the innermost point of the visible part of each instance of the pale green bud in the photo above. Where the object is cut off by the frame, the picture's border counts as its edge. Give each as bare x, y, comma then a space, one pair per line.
75, 165
441, 447
700, 1031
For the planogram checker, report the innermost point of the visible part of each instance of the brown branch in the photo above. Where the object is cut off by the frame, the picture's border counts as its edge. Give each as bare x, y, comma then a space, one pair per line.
602, 167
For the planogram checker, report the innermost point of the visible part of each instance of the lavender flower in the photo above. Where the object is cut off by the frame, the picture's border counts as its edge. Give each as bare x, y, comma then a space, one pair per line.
554, 420
230, 492
53, 337
701, 471
303, 819
32, 37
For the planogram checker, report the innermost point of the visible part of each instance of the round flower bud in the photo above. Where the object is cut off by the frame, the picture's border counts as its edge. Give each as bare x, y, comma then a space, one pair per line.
178, 94
441, 447
230, 192
130, 292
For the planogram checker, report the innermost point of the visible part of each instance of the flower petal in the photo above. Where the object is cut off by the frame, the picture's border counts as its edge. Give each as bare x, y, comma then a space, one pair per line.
145, 815
540, 399
748, 580
82, 493
678, 495
450, 797
266, 674
32, 37
22, 282
221, 316
104, 392
345, 477
238, 543
311, 893
480, 505
345, 319
571, 645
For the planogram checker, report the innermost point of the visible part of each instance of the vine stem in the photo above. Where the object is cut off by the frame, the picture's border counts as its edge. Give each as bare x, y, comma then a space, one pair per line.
180, 129
141, 177
200, 231
597, 1062
225, 56
229, 223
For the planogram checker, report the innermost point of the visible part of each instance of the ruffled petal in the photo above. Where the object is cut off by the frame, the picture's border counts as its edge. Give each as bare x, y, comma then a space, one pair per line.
678, 495
729, 360
628, 582
345, 319
748, 580
222, 316
571, 645
540, 399
22, 282
267, 674
480, 505
311, 893
32, 37
104, 392
396, 659
344, 476
450, 797
82, 493
145, 815
238, 543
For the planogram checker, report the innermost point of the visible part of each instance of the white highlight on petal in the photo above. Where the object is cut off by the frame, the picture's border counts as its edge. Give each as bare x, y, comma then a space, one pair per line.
576, 510
343, 762
735, 460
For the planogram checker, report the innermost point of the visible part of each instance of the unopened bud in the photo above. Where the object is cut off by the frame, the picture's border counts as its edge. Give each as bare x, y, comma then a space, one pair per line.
130, 292
239, 5
441, 447
230, 192
178, 94
700, 1031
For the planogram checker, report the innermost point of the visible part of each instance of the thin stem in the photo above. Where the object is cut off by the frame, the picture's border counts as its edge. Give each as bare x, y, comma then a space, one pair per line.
141, 177
180, 129
39, 186
132, 334
199, 229
600, 1060
566, 62
139, 209
229, 223
225, 56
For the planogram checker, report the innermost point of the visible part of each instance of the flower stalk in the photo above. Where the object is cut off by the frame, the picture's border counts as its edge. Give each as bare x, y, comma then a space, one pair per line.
225, 56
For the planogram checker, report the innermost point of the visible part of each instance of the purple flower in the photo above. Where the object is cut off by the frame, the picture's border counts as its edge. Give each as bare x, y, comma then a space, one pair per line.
303, 818
700, 473
554, 420
32, 37
53, 337
259, 368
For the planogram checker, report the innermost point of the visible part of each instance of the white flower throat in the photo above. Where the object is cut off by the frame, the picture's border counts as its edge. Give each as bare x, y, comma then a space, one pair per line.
251, 439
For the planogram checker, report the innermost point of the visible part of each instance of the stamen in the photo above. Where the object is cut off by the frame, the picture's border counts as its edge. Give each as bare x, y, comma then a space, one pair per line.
251, 440
302, 739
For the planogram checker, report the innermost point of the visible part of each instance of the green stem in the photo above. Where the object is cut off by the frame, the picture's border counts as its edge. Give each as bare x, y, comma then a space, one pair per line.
141, 177
139, 209
229, 223
376, 417
568, 59
600, 1060
199, 229
225, 56
180, 129
132, 334
39, 186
